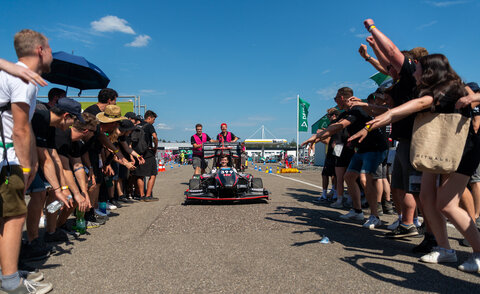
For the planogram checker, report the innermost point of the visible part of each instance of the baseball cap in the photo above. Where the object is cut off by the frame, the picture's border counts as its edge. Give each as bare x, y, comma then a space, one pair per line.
126, 125
71, 106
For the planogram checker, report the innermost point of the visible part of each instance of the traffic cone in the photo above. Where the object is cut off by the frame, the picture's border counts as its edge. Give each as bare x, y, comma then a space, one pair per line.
278, 170
256, 167
260, 169
266, 170
270, 171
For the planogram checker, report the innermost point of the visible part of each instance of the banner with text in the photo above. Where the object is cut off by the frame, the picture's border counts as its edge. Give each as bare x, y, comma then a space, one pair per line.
303, 115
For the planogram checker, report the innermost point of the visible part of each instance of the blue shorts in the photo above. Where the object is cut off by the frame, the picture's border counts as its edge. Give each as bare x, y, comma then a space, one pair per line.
367, 162
39, 184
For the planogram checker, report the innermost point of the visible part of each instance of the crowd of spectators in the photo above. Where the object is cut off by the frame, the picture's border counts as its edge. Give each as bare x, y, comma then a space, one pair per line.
72, 162
362, 134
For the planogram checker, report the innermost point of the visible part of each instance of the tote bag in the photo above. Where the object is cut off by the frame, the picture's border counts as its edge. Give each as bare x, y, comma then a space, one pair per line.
438, 141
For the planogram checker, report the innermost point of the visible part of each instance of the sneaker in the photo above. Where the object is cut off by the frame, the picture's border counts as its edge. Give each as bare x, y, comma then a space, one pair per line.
137, 198
34, 251
402, 231
379, 209
150, 199
58, 236
387, 207
99, 220
123, 199
100, 213
115, 202
465, 243
348, 203
110, 206
426, 246
417, 222
440, 255
472, 264
337, 204
353, 215
394, 225
322, 198
34, 276
92, 225
372, 222
27, 286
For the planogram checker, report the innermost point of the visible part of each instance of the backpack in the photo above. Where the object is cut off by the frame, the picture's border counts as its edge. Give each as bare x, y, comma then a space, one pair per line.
139, 143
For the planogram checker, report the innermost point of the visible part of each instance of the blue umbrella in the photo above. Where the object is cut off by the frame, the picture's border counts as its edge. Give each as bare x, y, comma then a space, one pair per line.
75, 71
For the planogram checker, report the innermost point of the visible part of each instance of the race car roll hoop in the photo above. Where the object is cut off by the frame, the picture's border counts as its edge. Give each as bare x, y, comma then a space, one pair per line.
224, 183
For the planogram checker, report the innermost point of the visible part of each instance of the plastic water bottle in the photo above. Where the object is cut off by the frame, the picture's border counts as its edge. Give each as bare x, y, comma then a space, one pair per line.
80, 225
102, 206
56, 205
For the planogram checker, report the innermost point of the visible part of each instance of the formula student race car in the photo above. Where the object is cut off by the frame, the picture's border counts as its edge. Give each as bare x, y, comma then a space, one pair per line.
224, 183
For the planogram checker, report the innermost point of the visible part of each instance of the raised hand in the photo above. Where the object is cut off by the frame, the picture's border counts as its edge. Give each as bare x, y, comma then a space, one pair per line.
371, 41
368, 23
363, 51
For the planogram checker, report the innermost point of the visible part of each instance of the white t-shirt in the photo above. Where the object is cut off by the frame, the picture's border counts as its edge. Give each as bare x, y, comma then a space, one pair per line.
14, 90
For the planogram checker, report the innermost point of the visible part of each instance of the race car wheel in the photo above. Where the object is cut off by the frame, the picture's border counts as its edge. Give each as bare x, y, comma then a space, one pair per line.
257, 183
194, 184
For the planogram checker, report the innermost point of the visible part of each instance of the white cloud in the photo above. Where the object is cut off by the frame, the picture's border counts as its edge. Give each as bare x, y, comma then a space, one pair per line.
445, 3
162, 126
140, 41
189, 129
362, 36
111, 23
152, 92
352, 30
426, 25
287, 99
325, 71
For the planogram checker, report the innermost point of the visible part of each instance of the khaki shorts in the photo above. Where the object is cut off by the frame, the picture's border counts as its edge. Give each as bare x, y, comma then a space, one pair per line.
11, 195
199, 162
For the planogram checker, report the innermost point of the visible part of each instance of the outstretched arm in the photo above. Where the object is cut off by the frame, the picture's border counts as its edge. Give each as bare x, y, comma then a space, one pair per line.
386, 46
394, 115
27, 75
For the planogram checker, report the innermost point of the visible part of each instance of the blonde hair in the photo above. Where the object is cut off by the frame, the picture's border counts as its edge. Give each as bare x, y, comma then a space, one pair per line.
26, 40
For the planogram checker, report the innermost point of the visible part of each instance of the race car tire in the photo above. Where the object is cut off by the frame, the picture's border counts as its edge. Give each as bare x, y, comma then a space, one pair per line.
194, 184
257, 183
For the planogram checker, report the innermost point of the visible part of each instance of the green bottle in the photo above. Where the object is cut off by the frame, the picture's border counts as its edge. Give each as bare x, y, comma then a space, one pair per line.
80, 225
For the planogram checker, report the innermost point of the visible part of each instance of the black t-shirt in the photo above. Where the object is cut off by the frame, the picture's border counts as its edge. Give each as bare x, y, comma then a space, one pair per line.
44, 133
225, 136
93, 109
149, 130
403, 91
375, 141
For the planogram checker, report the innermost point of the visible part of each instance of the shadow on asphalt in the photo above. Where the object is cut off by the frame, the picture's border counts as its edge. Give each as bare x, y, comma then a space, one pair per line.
226, 202
369, 246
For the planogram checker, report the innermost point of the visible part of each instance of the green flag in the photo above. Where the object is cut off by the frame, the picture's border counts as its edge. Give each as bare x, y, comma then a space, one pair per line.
303, 115
379, 78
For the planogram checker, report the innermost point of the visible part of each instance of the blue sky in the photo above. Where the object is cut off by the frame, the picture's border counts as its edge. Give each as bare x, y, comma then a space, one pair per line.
240, 62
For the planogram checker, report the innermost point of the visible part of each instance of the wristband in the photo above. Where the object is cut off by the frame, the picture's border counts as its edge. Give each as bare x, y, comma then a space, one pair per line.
371, 28
115, 151
368, 58
79, 168
57, 188
367, 127
26, 169
64, 187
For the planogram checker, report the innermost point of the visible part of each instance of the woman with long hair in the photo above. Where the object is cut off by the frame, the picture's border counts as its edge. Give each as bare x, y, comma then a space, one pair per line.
439, 89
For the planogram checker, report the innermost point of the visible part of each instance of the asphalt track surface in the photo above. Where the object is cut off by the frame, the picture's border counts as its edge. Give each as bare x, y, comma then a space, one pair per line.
167, 247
